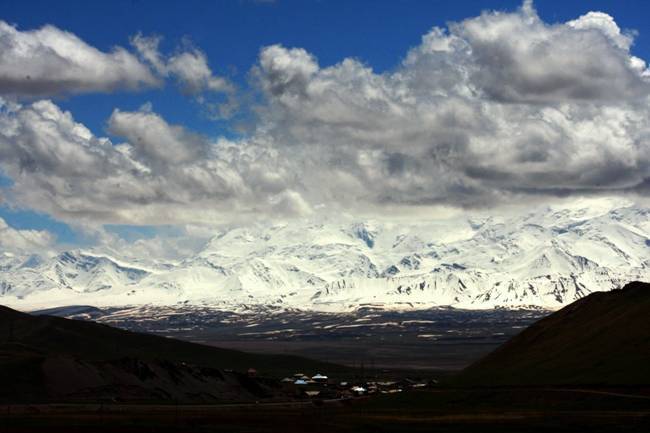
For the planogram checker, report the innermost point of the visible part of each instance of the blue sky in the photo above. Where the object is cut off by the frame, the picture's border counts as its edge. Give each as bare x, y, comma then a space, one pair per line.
231, 34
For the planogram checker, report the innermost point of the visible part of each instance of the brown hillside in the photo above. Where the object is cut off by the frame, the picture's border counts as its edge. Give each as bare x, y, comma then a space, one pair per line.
603, 339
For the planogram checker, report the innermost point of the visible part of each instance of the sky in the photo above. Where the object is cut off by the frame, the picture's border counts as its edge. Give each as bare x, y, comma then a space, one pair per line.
138, 119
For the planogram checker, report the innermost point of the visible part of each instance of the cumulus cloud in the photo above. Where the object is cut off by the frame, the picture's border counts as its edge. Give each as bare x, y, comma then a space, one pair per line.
154, 141
49, 61
161, 174
286, 71
519, 58
191, 70
495, 109
606, 25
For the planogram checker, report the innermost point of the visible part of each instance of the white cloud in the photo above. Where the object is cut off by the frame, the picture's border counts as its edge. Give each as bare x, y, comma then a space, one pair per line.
286, 71
16, 241
518, 58
195, 75
190, 66
290, 203
605, 25
500, 106
50, 61
162, 174
496, 109
191, 70
154, 141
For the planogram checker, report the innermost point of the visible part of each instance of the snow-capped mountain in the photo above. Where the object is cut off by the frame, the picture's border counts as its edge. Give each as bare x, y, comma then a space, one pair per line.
546, 258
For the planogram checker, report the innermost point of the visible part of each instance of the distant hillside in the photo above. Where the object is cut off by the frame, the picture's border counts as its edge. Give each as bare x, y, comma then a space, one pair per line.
51, 358
603, 338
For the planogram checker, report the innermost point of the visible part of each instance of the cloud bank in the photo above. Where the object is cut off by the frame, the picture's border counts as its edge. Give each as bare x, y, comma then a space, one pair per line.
496, 109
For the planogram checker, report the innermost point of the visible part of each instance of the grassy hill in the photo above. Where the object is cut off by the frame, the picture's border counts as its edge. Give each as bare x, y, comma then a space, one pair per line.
602, 339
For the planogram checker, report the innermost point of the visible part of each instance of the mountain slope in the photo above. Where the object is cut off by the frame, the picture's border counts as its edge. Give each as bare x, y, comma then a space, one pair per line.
603, 338
51, 358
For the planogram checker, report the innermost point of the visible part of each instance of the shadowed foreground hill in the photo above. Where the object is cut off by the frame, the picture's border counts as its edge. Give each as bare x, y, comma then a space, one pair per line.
52, 358
602, 339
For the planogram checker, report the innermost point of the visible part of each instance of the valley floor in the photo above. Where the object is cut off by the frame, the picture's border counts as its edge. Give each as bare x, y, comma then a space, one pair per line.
434, 340
436, 358
443, 410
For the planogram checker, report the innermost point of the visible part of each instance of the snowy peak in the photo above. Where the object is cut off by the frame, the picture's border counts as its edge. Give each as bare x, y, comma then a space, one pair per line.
366, 233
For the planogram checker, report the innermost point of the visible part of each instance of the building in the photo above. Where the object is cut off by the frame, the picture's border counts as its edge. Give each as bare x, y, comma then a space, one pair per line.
320, 379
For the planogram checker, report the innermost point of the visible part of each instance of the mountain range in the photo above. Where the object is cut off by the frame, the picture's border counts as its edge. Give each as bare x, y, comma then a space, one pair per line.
546, 258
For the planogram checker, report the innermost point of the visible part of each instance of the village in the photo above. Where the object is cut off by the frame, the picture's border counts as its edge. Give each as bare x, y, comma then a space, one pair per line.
322, 387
